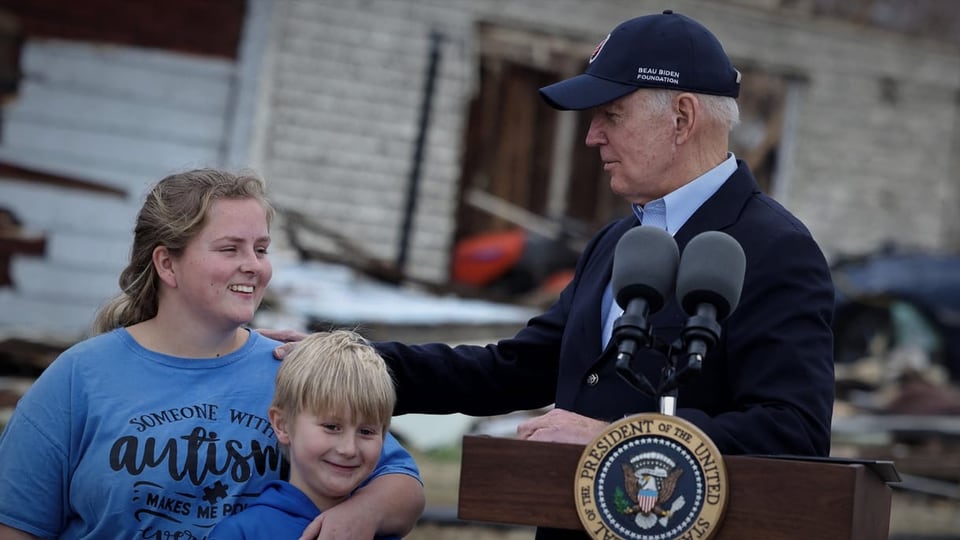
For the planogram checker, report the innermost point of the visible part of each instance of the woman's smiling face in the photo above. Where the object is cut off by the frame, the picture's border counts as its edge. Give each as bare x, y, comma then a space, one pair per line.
223, 272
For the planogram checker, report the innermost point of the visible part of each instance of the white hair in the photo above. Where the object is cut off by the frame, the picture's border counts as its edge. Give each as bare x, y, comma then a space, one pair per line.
723, 109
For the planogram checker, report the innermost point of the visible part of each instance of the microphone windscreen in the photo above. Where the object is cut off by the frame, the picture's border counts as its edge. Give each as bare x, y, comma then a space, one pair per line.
711, 272
645, 266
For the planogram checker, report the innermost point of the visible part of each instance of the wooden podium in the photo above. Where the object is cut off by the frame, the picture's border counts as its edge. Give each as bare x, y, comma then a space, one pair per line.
532, 483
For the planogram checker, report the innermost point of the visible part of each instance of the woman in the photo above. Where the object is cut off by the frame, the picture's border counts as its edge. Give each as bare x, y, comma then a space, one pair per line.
157, 427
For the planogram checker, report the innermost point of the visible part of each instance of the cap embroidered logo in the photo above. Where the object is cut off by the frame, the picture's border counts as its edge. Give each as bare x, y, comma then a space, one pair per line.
597, 49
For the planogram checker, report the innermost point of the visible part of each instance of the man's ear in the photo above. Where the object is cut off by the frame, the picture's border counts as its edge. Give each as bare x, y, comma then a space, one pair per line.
279, 422
163, 263
686, 107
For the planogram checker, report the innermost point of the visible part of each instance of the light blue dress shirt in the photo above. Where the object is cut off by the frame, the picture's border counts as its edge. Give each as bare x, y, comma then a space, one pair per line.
670, 213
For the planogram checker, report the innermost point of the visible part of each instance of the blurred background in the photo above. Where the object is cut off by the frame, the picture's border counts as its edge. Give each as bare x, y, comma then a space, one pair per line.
426, 193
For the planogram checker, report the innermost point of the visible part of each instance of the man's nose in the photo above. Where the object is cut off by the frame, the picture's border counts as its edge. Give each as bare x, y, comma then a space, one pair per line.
595, 136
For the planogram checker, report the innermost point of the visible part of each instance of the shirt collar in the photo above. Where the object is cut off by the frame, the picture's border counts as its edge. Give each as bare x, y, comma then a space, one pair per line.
678, 205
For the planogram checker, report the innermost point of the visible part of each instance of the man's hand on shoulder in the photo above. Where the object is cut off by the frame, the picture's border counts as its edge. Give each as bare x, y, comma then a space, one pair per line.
288, 337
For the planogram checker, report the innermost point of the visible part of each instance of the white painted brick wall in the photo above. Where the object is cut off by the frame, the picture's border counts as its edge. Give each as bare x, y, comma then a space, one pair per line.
120, 116
348, 75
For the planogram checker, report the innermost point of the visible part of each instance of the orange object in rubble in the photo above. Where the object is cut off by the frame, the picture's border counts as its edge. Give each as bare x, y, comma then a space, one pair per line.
481, 259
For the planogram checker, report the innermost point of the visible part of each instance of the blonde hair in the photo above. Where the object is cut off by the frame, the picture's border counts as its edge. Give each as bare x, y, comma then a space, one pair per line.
173, 213
338, 372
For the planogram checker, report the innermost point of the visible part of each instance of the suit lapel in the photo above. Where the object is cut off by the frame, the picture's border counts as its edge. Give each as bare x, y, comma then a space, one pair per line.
717, 213
722, 209
597, 273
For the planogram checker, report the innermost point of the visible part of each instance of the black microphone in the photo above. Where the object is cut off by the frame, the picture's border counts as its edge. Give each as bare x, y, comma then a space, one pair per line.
709, 283
644, 272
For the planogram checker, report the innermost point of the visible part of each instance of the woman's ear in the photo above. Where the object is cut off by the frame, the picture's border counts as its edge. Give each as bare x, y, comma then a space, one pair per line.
279, 422
163, 263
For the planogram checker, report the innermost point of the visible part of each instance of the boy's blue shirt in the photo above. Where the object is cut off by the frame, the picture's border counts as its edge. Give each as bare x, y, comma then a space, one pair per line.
281, 511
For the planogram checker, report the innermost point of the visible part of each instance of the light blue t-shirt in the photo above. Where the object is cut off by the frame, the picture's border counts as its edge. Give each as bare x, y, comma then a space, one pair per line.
116, 441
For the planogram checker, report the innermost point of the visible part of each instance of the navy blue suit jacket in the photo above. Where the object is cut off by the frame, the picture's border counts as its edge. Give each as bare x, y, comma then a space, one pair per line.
766, 387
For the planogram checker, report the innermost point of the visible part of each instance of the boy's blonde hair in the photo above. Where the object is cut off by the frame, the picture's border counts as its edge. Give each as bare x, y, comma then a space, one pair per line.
336, 372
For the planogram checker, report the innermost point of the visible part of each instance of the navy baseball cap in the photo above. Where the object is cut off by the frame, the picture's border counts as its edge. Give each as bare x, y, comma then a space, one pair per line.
665, 50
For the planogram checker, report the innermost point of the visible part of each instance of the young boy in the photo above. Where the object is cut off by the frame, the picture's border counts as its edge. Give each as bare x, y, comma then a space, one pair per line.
332, 405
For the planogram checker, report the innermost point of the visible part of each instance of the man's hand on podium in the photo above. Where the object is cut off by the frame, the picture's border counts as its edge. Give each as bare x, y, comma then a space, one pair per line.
559, 425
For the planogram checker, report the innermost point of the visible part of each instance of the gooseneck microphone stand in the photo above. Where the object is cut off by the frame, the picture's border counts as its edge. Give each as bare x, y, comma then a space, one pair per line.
684, 357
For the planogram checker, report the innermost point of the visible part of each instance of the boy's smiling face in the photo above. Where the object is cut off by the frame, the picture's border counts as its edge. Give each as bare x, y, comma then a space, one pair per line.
330, 454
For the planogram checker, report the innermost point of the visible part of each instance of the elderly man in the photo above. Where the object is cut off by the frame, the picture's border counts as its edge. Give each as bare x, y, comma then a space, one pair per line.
661, 91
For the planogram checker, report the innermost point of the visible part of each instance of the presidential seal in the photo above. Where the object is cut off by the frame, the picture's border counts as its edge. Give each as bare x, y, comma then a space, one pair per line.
651, 477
